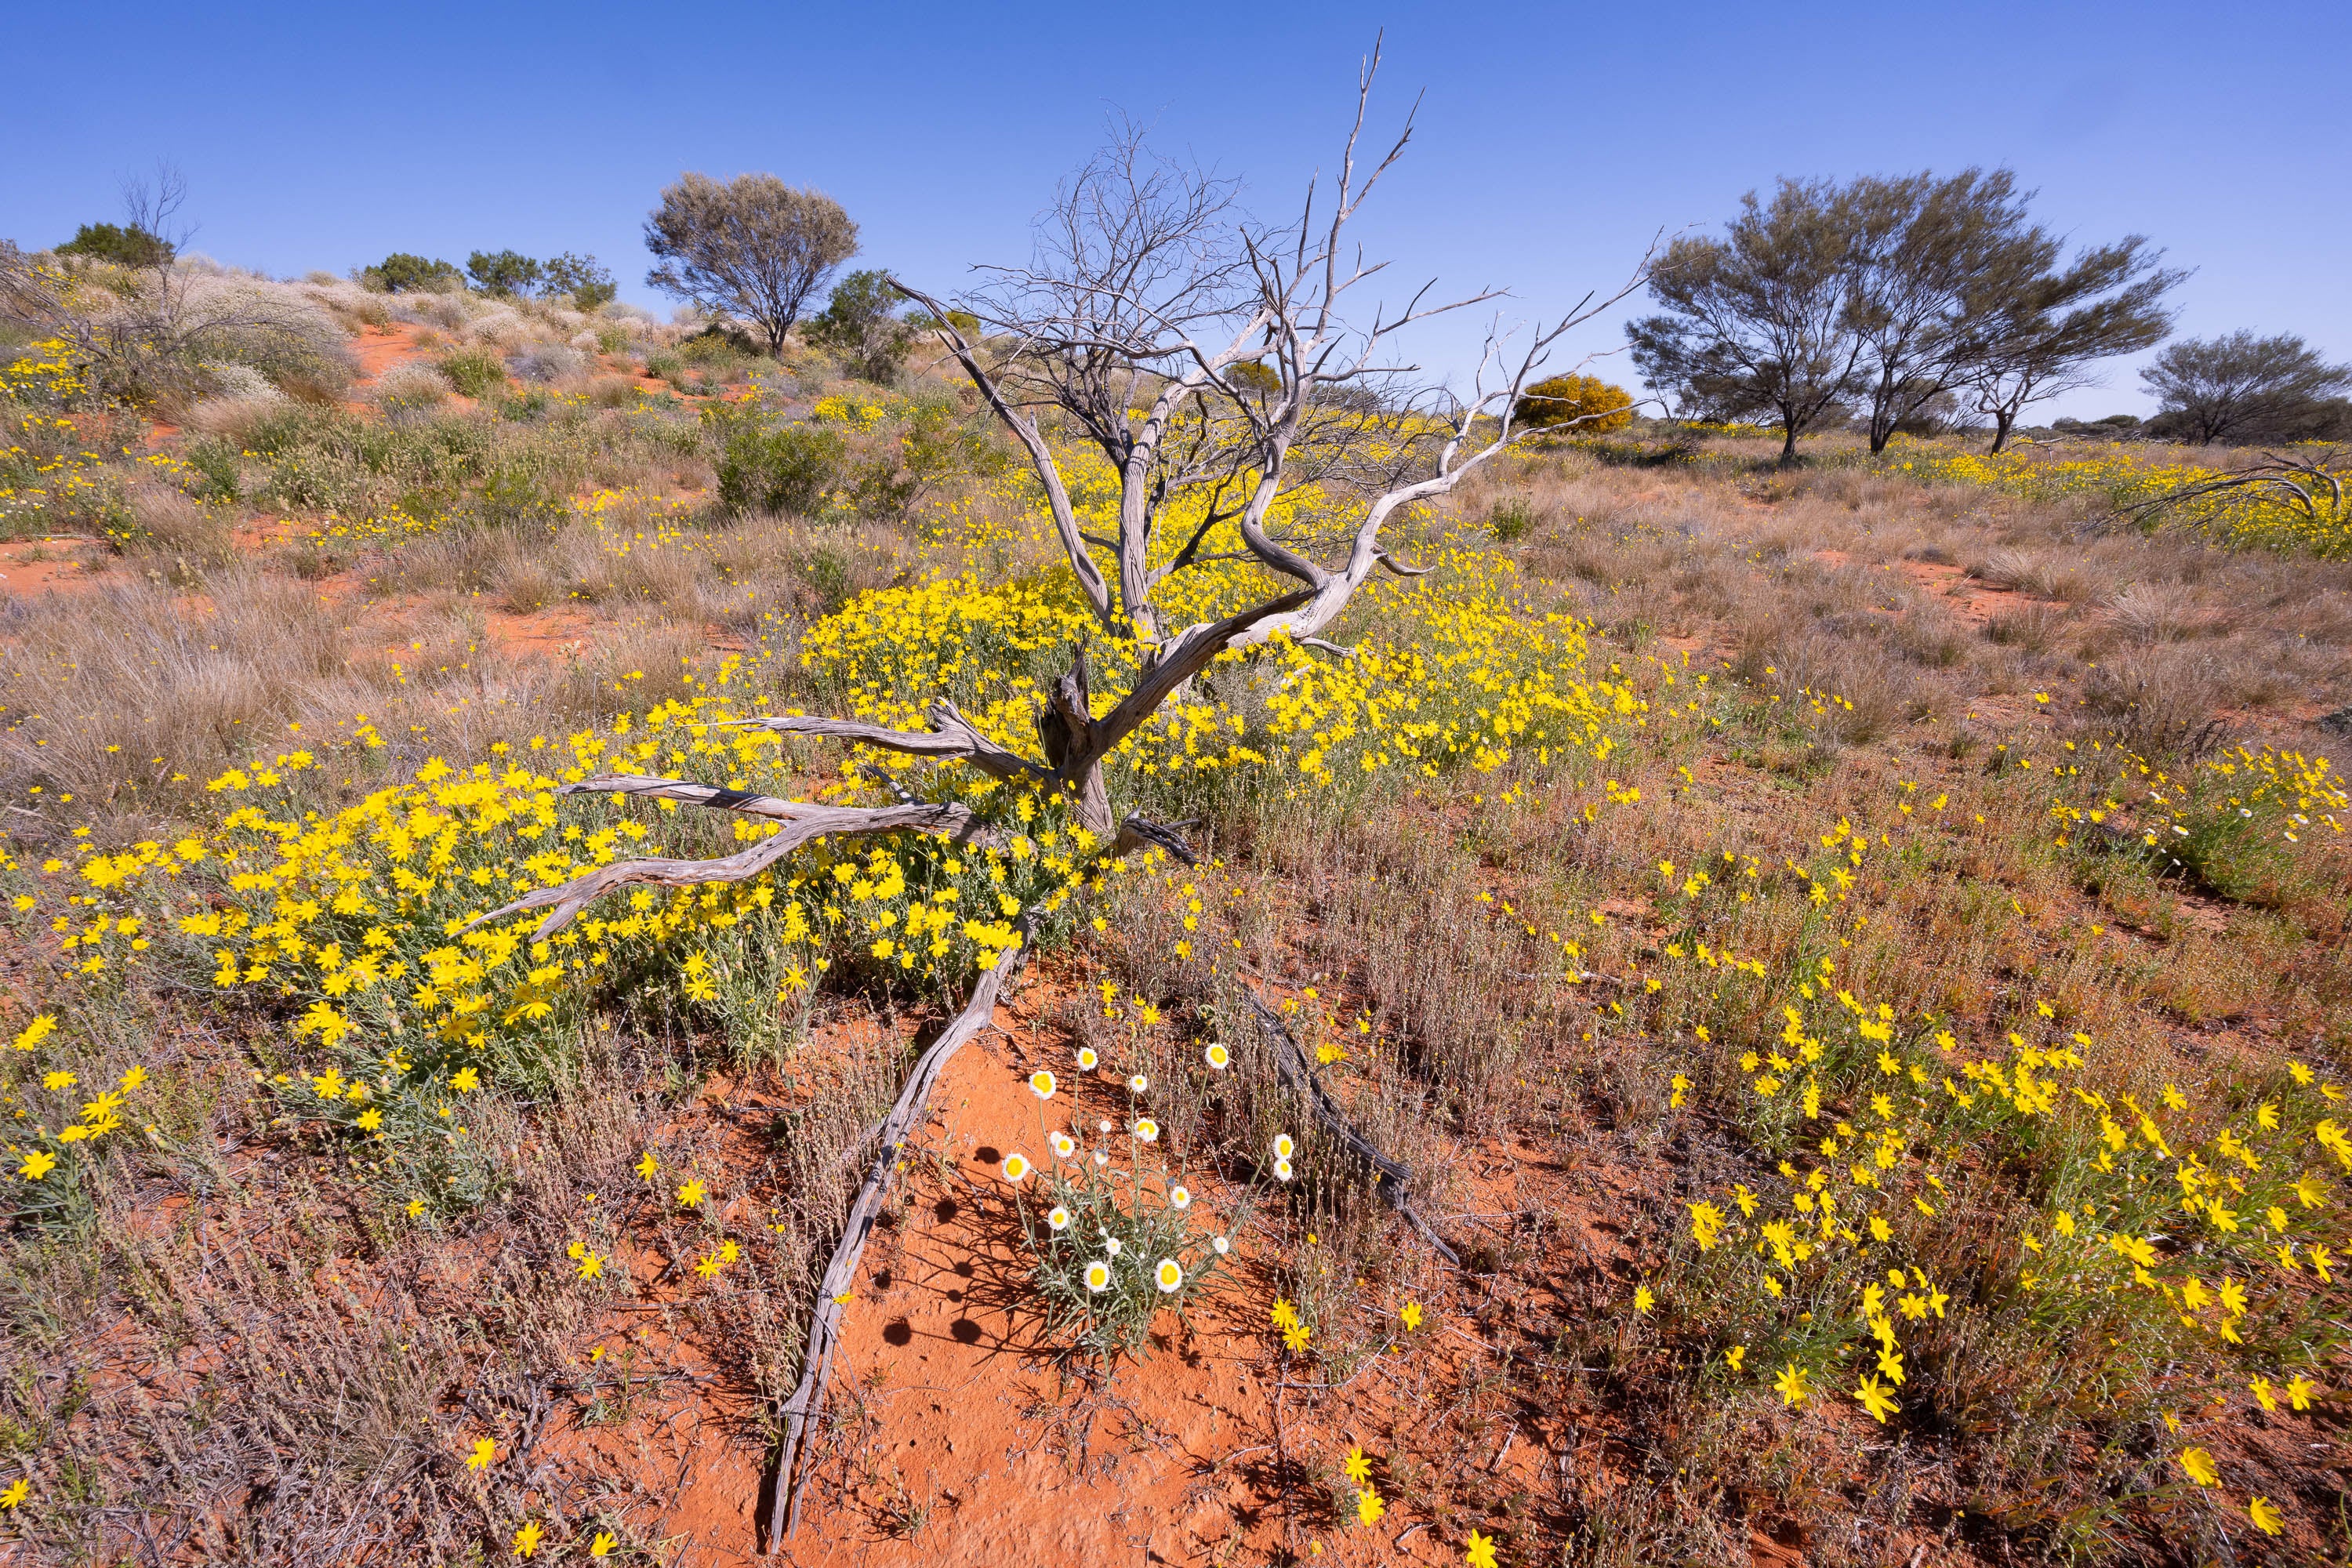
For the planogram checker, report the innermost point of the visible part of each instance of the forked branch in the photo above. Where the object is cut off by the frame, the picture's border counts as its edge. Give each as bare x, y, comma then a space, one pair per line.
802, 820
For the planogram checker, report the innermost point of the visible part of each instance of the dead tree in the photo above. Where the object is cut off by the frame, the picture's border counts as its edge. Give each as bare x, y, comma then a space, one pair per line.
1216, 365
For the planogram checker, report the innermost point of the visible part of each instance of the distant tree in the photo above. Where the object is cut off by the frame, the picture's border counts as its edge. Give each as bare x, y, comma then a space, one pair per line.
504, 273
404, 272
2243, 388
1760, 322
122, 245
1932, 259
861, 323
1587, 403
2041, 334
753, 248
587, 285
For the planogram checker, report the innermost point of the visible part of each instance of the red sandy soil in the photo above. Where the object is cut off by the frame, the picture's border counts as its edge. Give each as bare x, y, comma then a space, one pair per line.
948, 1381
62, 573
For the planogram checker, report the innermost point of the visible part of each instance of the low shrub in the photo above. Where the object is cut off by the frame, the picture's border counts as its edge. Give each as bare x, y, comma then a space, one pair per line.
474, 373
776, 468
403, 272
547, 362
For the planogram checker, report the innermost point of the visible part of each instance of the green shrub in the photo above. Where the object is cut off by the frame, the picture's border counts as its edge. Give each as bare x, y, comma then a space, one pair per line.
404, 272
861, 327
719, 344
1511, 521
782, 467
518, 495
123, 246
475, 373
217, 460
504, 272
588, 284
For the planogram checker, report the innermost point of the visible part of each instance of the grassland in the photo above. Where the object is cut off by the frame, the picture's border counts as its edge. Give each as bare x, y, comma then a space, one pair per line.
1852, 958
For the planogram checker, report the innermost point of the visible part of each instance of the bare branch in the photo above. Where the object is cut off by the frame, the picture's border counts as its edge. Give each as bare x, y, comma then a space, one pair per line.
950, 736
1391, 1177
803, 821
806, 1403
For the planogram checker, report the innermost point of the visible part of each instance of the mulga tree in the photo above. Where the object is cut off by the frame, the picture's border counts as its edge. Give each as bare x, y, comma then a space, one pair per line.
1218, 366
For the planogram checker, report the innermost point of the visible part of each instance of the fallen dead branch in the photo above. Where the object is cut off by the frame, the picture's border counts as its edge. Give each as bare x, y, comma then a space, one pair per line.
807, 1400
1391, 1179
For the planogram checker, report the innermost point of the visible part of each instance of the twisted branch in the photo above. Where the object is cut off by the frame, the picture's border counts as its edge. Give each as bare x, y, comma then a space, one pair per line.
802, 820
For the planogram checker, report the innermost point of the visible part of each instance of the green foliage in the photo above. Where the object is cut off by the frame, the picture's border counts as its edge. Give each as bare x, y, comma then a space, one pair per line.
720, 343
475, 373
217, 460
589, 285
1511, 521
1585, 403
1123, 1224
125, 245
860, 325
504, 273
404, 272
766, 467
937, 441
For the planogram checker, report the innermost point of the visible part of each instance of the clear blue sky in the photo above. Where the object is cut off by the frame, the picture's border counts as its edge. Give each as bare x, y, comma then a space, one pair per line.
1553, 142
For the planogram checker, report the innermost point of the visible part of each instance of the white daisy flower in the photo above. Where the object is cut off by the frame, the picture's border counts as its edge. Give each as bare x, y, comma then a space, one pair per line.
1137, 1084
1086, 1058
1282, 1170
1112, 1244
1015, 1167
1098, 1275
1283, 1147
1169, 1276
1041, 1084
1180, 1197
1218, 1056
1058, 1217
1146, 1130
1223, 1246
1064, 1145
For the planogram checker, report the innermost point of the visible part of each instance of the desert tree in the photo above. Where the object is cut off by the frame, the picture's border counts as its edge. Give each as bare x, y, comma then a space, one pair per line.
1761, 319
2241, 388
752, 248
1958, 289
1932, 260
861, 323
503, 274
1129, 329
2043, 335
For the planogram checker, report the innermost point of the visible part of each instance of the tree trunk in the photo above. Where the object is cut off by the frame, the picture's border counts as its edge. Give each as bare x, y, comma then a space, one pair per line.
2001, 421
1788, 442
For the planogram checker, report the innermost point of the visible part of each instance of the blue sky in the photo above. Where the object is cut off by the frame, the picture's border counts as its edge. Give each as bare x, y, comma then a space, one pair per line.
1554, 141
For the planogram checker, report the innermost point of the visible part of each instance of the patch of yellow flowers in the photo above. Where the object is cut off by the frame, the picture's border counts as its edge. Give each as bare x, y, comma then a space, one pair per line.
2249, 518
